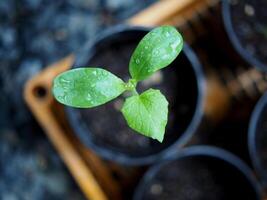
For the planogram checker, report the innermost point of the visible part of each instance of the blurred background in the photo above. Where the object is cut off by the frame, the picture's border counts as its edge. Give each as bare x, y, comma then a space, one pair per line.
219, 102
34, 34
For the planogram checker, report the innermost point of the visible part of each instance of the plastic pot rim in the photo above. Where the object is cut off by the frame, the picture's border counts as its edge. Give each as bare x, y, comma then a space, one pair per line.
202, 150
254, 62
252, 131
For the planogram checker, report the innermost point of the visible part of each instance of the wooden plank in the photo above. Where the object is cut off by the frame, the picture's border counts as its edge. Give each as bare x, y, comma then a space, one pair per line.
40, 107
159, 12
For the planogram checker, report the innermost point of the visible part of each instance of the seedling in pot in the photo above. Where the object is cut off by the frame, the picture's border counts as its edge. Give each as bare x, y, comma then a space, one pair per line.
146, 113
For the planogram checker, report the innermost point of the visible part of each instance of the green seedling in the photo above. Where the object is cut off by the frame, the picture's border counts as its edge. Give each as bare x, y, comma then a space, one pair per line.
146, 113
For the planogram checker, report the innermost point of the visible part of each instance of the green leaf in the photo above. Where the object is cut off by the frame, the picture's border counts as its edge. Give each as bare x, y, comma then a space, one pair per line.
155, 51
87, 87
147, 113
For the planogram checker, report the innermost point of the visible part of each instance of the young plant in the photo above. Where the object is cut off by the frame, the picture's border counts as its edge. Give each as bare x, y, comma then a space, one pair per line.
146, 113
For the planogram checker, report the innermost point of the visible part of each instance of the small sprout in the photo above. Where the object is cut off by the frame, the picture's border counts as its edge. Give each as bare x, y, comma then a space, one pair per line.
146, 113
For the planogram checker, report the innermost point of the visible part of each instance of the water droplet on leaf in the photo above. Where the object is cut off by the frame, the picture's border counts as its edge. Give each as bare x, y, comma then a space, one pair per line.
89, 97
167, 34
156, 52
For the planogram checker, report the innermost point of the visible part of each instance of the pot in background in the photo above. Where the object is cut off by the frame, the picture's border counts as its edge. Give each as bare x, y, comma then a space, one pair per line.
246, 25
257, 140
199, 172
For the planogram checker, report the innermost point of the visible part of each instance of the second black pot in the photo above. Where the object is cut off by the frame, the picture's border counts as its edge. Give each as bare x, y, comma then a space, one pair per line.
104, 129
246, 25
257, 140
199, 173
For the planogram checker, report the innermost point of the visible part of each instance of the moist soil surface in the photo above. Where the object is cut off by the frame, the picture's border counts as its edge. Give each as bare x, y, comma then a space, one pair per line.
106, 124
249, 20
198, 178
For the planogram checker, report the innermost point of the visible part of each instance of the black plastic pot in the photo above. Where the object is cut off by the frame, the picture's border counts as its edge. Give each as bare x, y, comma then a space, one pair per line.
104, 129
199, 173
257, 139
247, 29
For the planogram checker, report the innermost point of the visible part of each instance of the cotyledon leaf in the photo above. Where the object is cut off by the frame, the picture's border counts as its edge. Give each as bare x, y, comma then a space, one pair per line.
147, 113
87, 87
156, 50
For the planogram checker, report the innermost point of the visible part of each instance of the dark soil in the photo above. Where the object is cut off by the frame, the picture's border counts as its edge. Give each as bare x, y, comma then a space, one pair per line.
198, 178
231, 136
261, 141
106, 124
249, 19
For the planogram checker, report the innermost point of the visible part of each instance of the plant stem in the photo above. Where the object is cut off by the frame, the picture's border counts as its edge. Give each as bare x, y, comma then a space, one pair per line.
134, 91
131, 86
